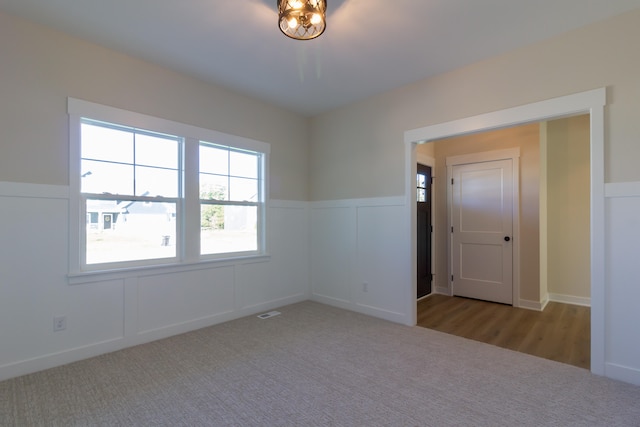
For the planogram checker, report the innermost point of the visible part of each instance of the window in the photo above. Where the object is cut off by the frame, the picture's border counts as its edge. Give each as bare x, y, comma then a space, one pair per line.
130, 189
162, 193
229, 199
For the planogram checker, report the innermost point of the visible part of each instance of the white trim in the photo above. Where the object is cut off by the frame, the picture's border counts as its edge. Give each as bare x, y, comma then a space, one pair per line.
538, 111
512, 154
36, 191
131, 339
153, 270
570, 299
622, 373
359, 203
187, 205
81, 108
592, 102
391, 316
532, 305
622, 189
443, 291
484, 156
287, 204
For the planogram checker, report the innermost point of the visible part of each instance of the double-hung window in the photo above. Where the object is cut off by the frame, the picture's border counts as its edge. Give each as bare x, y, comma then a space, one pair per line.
130, 186
230, 194
148, 192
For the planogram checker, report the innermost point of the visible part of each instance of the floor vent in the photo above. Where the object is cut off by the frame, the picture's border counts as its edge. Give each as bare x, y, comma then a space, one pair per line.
269, 314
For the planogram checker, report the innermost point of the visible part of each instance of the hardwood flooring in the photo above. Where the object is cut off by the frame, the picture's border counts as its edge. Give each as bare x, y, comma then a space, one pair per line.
562, 332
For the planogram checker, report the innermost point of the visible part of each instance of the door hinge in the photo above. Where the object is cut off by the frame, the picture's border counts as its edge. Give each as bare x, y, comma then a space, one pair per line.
452, 229
432, 228
452, 277
432, 179
431, 278
451, 181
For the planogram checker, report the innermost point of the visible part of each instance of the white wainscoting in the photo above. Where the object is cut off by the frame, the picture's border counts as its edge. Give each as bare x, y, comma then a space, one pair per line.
622, 281
107, 314
359, 257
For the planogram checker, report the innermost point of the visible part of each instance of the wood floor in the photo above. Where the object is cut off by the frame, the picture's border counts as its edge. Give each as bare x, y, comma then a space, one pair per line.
561, 332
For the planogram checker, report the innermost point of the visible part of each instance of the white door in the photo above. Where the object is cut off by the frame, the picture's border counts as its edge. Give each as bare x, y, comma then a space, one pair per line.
482, 220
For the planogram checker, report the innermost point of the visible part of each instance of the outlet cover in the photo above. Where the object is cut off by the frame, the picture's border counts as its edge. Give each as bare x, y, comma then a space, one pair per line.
59, 323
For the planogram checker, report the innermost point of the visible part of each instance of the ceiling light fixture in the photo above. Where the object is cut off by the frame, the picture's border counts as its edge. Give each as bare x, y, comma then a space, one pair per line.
302, 19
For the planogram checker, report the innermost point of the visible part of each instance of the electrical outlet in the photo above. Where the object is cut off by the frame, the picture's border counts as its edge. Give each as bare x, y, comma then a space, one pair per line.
59, 323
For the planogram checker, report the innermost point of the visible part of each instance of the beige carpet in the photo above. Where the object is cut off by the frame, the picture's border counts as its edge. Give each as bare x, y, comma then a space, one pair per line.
316, 366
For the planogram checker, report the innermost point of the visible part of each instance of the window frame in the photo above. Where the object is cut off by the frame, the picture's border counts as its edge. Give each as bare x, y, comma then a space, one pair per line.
187, 206
229, 201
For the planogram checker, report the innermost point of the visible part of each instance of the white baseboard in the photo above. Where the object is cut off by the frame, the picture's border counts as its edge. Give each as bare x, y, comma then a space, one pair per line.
622, 373
533, 305
361, 308
569, 299
52, 360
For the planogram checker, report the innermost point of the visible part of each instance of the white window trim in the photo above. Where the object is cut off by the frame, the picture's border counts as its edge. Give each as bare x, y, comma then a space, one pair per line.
188, 256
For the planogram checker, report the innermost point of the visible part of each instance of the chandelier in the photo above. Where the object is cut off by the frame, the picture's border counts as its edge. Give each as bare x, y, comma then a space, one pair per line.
302, 19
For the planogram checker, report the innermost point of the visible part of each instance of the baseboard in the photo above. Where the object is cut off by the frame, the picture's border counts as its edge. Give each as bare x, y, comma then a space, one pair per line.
380, 313
622, 373
533, 305
569, 299
53, 360
443, 290
65, 357
361, 308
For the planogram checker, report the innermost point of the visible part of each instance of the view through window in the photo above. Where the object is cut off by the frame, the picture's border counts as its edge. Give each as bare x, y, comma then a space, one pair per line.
147, 197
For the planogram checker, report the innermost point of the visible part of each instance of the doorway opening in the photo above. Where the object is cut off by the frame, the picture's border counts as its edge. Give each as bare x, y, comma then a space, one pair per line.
592, 103
481, 235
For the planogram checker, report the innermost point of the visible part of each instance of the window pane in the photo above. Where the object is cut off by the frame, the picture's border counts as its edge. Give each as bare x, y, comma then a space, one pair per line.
228, 229
421, 181
104, 177
156, 151
422, 195
104, 143
214, 187
154, 182
243, 190
130, 231
243, 164
214, 160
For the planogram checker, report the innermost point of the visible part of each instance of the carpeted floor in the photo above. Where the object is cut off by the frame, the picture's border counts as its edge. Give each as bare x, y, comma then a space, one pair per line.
316, 365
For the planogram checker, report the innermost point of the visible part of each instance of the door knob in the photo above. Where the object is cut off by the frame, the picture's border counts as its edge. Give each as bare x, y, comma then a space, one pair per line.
507, 238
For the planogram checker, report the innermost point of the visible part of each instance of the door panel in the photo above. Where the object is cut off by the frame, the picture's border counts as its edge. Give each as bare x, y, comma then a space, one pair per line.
482, 219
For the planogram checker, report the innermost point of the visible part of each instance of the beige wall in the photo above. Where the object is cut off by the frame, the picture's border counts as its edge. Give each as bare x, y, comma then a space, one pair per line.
568, 166
40, 68
526, 138
347, 144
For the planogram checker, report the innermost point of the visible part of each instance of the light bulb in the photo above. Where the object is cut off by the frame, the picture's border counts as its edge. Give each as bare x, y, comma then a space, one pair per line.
296, 4
293, 23
316, 19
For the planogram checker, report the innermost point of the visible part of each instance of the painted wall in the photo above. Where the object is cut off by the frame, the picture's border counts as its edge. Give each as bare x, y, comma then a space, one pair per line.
39, 69
568, 252
358, 151
367, 136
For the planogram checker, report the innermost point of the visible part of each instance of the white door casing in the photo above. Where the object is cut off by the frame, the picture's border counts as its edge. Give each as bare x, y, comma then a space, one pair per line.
592, 102
482, 201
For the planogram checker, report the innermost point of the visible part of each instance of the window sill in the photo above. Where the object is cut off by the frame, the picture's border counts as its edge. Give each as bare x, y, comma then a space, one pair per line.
80, 277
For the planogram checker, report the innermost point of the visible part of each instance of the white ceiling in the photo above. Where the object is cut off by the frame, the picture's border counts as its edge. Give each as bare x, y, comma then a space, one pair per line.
370, 46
